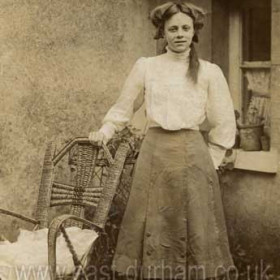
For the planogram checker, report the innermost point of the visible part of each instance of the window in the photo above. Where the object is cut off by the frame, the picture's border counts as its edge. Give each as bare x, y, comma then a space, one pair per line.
249, 68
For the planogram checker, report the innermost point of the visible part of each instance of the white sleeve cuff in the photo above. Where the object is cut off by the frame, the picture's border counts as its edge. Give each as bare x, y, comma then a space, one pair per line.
217, 154
108, 129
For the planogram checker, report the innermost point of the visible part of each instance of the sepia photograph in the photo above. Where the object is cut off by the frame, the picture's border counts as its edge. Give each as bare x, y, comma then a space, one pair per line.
139, 139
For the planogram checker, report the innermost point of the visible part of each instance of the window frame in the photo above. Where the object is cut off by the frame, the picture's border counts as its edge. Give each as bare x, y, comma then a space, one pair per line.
263, 161
236, 62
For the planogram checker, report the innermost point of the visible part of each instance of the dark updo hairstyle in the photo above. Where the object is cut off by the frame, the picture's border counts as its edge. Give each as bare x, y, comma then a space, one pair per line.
164, 12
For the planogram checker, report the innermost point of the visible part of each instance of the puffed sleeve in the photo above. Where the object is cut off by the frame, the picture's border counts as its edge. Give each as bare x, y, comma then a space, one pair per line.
122, 111
220, 115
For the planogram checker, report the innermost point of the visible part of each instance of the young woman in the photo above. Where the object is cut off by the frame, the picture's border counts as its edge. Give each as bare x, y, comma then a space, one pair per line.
174, 226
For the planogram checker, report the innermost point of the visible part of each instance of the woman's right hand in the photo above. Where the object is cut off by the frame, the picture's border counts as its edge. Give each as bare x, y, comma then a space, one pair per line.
97, 137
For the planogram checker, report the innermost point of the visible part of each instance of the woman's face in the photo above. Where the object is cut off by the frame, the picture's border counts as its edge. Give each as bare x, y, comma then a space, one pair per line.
178, 32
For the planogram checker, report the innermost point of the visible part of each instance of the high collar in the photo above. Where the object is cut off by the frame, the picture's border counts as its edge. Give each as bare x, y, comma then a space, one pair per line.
178, 56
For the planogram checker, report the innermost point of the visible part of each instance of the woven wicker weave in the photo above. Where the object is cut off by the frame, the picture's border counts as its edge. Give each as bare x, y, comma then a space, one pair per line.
115, 181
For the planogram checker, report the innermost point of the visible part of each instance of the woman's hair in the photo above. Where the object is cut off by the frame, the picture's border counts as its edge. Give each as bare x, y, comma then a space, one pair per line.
164, 12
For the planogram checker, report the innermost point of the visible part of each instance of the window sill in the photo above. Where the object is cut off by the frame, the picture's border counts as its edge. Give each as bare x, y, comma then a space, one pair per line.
260, 161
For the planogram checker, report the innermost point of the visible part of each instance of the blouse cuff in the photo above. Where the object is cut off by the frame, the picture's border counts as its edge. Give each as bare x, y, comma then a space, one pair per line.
217, 154
108, 129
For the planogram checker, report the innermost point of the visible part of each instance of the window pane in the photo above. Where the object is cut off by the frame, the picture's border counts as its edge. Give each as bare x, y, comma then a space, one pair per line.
256, 33
256, 95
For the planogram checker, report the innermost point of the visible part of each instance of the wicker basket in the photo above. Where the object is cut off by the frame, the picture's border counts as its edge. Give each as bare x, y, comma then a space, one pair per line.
250, 137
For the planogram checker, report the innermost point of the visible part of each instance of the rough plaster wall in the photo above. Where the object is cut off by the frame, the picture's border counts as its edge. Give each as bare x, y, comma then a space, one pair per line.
252, 204
62, 64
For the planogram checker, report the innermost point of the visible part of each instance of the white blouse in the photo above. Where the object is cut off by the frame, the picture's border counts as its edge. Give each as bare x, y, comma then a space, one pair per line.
174, 102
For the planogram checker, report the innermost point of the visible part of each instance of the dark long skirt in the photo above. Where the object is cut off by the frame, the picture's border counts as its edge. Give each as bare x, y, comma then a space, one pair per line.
174, 226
